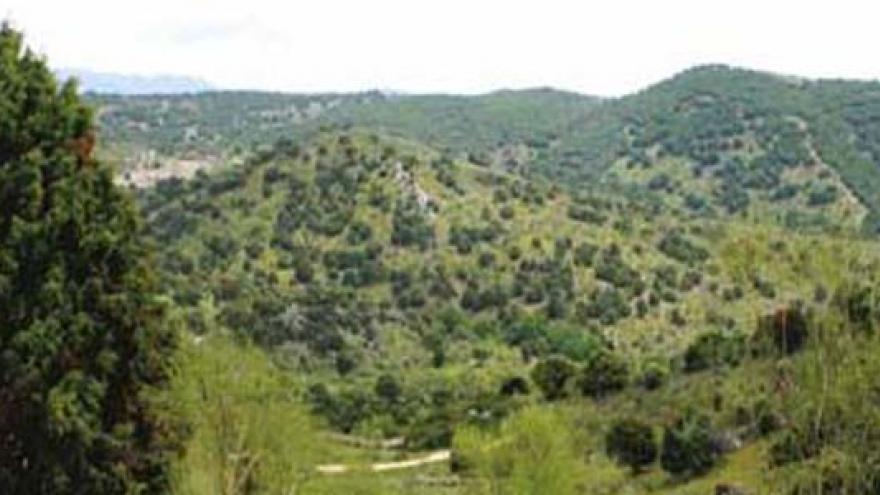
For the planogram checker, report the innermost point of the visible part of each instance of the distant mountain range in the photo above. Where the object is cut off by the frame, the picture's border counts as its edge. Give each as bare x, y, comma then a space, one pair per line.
131, 84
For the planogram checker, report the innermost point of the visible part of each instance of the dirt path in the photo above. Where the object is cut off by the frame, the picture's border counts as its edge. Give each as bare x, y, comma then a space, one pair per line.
430, 458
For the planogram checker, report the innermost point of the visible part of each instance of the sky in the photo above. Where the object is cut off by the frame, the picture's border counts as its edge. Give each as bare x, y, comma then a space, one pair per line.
607, 48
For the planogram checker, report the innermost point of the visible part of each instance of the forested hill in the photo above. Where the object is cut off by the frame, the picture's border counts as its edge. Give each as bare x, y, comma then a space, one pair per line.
535, 268
716, 138
408, 293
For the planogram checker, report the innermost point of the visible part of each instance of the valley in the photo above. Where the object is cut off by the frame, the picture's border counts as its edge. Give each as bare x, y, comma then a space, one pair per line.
532, 291
461, 272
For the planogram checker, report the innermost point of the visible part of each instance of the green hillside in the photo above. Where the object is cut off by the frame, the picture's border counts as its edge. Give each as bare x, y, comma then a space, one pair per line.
517, 293
412, 294
718, 140
669, 292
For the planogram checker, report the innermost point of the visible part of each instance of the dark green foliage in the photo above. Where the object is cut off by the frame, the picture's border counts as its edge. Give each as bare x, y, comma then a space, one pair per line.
606, 305
411, 227
604, 374
465, 238
475, 299
785, 331
387, 388
586, 214
860, 304
611, 268
552, 376
83, 332
584, 254
537, 337
359, 232
714, 349
506, 212
678, 247
764, 287
784, 192
822, 195
653, 376
687, 447
632, 443
515, 385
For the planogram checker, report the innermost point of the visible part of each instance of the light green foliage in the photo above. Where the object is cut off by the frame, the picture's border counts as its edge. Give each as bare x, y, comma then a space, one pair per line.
251, 433
531, 453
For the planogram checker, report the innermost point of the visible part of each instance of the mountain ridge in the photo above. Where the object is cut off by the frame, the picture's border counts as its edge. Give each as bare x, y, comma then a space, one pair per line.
133, 84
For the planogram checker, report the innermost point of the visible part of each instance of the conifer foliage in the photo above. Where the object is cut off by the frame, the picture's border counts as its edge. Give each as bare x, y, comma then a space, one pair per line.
84, 339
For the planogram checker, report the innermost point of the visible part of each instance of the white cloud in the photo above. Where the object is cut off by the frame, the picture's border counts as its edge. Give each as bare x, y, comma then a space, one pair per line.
609, 47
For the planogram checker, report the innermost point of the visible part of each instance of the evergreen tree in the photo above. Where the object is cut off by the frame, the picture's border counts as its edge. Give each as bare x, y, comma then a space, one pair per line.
83, 336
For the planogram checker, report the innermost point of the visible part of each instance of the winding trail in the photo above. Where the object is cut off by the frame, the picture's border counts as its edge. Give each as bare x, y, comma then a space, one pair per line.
377, 467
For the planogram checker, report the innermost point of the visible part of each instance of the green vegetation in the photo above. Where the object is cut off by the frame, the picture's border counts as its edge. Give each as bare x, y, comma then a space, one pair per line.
84, 339
521, 292
632, 442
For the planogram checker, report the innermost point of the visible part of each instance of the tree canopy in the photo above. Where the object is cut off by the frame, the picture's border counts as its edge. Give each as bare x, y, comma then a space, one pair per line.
83, 335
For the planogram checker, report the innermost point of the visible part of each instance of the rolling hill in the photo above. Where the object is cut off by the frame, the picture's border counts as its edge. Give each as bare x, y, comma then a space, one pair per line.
717, 139
533, 267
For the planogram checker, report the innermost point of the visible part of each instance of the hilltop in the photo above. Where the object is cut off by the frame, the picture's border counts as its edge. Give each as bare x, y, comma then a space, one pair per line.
716, 140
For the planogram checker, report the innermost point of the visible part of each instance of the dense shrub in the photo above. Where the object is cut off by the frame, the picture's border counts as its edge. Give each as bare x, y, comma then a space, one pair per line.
713, 349
678, 247
606, 305
611, 268
603, 374
553, 375
632, 443
687, 448
411, 227
584, 254
785, 331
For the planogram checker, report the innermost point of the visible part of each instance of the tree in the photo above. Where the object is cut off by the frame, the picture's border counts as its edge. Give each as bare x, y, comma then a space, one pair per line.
631, 442
552, 376
687, 447
715, 349
784, 331
387, 388
605, 373
83, 334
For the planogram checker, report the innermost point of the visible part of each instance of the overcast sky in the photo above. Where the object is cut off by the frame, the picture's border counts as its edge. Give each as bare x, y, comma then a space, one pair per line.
608, 47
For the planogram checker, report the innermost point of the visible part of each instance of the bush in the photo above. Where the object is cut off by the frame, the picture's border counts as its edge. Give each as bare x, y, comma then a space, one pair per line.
784, 331
515, 385
552, 376
612, 269
714, 349
607, 305
678, 247
604, 374
410, 227
584, 254
860, 304
387, 388
632, 443
653, 375
688, 447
